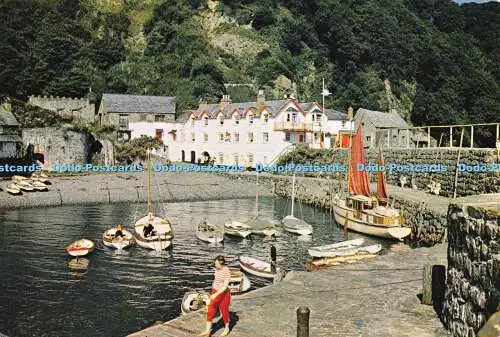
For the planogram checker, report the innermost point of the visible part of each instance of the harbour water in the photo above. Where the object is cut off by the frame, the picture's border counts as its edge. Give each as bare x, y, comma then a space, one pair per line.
108, 293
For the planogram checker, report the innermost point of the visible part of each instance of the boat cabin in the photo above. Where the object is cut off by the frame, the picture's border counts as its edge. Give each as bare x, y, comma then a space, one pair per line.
369, 209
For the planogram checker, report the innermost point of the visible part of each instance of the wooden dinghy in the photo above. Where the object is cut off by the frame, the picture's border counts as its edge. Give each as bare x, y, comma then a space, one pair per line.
41, 178
345, 251
18, 178
161, 238
80, 247
257, 267
209, 232
318, 250
109, 239
238, 229
38, 185
262, 227
13, 189
239, 282
25, 186
335, 261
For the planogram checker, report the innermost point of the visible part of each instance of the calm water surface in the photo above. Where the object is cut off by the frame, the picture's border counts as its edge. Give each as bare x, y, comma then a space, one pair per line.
41, 294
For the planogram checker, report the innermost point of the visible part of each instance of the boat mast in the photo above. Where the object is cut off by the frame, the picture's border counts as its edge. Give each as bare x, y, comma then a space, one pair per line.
150, 212
349, 113
293, 192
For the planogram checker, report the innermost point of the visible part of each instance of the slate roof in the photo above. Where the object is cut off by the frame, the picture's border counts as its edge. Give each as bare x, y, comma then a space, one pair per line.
10, 138
213, 110
334, 115
138, 103
7, 118
380, 119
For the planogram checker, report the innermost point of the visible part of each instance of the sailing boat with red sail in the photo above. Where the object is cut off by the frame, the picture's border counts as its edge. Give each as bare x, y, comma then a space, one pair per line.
359, 210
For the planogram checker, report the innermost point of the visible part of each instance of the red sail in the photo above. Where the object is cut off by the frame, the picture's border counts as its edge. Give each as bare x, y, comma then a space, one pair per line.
381, 183
358, 181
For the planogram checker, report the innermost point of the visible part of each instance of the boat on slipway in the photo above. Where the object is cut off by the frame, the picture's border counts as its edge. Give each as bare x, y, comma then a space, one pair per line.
345, 251
318, 251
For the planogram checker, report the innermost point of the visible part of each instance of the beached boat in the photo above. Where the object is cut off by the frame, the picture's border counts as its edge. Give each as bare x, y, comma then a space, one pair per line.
337, 261
295, 225
38, 185
236, 228
257, 267
359, 210
338, 245
41, 178
13, 189
109, 239
239, 283
209, 232
18, 178
162, 234
24, 185
80, 247
345, 251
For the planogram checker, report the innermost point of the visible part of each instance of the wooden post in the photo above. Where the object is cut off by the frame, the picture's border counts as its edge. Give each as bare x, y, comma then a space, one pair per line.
458, 163
471, 136
303, 322
407, 138
434, 284
428, 137
451, 136
388, 139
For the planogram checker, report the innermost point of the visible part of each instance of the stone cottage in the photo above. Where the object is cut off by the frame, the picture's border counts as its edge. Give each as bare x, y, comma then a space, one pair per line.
10, 134
382, 129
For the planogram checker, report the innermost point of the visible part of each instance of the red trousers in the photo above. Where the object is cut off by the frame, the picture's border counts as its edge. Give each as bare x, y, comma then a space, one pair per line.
221, 301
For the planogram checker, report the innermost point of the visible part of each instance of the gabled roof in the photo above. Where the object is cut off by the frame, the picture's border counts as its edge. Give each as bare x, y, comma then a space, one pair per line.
380, 119
7, 118
138, 103
214, 110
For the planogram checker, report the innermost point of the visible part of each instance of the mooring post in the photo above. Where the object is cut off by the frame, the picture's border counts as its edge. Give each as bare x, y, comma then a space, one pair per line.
434, 284
303, 322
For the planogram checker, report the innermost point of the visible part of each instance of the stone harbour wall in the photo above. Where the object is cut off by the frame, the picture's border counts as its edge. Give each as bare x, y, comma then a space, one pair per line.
473, 276
469, 183
426, 217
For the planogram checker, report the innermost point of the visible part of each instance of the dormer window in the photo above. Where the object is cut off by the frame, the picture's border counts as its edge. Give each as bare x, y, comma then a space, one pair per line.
250, 118
265, 117
192, 120
236, 119
205, 120
221, 119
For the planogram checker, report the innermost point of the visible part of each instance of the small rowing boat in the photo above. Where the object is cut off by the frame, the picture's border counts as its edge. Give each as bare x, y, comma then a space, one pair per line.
239, 282
336, 261
13, 189
38, 185
209, 232
262, 227
236, 228
297, 226
80, 247
25, 186
345, 251
257, 267
326, 248
110, 240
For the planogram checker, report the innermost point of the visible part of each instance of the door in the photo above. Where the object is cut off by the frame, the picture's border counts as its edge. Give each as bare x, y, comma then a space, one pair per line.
193, 157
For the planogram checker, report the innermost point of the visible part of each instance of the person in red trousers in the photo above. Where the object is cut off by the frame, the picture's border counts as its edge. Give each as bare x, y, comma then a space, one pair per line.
221, 296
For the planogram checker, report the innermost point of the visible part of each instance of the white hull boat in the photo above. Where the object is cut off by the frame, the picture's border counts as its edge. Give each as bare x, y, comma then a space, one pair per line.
239, 283
262, 227
209, 232
80, 247
13, 189
236, 228
343, 244
161, 237
25, 186
346, 251
109, 239
297, 226
257, 267
38, 185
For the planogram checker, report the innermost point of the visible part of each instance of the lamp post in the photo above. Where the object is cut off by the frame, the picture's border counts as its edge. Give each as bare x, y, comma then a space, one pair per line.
324, 93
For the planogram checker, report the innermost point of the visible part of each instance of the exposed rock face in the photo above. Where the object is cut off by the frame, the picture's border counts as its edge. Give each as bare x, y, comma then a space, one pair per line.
473, 280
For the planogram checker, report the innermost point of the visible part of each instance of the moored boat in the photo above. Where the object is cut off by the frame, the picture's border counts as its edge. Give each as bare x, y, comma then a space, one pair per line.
345, 251
236, 228
262, 227
333, 246
295, 225
110, 240
257, 267
80, 247
209, 232
13, 189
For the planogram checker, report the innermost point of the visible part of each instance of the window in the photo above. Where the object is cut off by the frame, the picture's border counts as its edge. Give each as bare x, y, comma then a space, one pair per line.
265, 117
236, 119
227, 137
343, 124
236, 159
287, 136
142, 117
250, 119
316, 136
236, 137
301, 138
369, 139
265, 137
192, 121
221, 120
205, 137
193, 137
123, 121
221, 158
205, 120
159, 118
221, 137
250, 159
250, 137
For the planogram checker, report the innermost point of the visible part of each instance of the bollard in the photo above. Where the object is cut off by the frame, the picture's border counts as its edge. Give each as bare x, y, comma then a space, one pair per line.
303, 322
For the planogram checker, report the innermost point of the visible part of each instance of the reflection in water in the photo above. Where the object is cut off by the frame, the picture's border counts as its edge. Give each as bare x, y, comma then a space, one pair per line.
119, 292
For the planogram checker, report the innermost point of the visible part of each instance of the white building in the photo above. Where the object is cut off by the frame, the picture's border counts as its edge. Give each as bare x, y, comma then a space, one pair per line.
245, 133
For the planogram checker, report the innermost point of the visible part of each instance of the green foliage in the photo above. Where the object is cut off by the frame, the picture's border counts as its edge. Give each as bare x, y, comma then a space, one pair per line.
35, 117
136, 148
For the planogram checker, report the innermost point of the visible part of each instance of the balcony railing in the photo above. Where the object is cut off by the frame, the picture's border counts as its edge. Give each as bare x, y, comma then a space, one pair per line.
294, 126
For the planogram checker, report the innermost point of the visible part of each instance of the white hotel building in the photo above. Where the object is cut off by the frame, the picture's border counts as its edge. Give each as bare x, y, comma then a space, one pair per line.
246, 133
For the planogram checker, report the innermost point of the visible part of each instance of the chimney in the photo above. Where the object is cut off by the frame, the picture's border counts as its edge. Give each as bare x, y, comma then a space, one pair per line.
226, 99
261, 101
